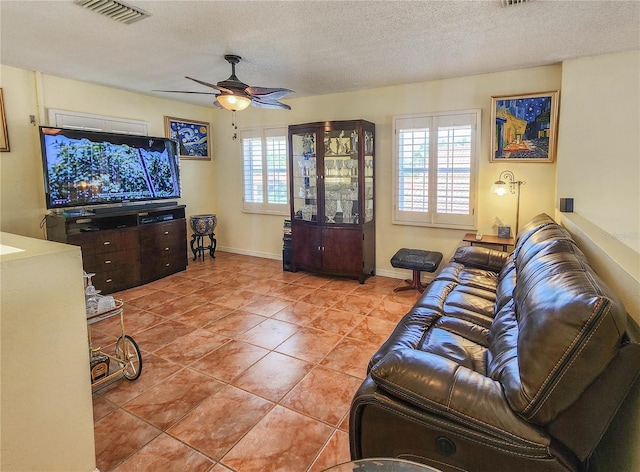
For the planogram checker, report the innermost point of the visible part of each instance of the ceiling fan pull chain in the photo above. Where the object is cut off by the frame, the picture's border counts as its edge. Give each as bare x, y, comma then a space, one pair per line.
234, 123
234, 120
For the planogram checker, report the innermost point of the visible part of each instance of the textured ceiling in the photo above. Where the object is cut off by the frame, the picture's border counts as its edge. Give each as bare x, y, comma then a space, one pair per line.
311, 47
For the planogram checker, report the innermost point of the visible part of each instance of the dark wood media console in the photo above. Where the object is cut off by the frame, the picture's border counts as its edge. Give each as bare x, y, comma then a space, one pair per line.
126, 247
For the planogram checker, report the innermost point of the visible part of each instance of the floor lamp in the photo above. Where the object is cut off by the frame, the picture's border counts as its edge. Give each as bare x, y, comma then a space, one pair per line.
500, 188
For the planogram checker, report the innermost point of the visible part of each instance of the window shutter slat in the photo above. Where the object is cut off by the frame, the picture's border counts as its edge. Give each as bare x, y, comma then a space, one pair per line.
252, 152
265, 173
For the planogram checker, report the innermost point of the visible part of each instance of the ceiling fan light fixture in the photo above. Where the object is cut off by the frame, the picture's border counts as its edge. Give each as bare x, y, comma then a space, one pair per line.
233, 102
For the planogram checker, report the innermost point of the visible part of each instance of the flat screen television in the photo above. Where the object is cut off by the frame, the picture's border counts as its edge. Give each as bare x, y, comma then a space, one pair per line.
85, 168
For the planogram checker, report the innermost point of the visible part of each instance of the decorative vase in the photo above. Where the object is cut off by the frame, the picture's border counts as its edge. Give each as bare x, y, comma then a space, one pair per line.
331, 207
203, 225
306, 211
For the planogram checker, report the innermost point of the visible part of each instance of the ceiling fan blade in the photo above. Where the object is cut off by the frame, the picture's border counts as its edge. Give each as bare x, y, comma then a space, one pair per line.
207, 84
185, 91
266, 92
261, 102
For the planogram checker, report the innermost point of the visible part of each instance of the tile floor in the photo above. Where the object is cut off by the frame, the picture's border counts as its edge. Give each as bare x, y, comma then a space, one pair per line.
245, 368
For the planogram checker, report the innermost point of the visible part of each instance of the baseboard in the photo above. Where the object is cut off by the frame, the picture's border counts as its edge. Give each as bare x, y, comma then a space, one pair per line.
393, 274
405, 274
264, 255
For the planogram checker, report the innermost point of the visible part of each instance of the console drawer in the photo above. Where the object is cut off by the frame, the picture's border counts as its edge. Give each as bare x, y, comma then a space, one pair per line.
105, 241
111, 261
158, 264
111, 281
162, 235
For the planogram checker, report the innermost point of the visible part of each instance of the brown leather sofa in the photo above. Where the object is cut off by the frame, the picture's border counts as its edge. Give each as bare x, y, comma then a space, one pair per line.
505, 363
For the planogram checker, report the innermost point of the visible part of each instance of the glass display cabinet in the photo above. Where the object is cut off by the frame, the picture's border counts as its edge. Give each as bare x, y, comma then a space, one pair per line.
332, 197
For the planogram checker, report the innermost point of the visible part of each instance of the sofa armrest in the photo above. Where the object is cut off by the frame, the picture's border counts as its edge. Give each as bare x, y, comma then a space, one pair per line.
443, 387
481, 257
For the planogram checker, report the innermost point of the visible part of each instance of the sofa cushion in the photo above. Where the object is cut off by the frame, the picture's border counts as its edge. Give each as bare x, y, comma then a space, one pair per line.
457, 340
480, 257
569, 327
546, 240
506, 284
440, 385
470, 277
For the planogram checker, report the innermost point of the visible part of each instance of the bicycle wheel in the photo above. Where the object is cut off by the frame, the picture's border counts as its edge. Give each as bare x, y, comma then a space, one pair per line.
128, 352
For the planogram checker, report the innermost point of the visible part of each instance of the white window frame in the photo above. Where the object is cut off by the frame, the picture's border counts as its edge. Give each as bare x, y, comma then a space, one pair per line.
91, 122
432, 121
264, 207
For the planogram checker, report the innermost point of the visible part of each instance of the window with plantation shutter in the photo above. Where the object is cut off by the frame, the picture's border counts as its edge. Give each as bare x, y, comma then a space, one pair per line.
435, 162
264, 155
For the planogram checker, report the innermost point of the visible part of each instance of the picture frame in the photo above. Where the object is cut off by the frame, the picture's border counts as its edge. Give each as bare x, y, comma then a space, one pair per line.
192, 136
524, 127
4, 133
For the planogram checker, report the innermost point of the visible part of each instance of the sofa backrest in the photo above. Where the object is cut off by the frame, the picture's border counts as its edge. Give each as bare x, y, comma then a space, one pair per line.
530, 227
559, 331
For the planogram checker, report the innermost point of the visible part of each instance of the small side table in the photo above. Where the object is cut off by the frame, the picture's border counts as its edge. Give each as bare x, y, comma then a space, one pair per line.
489, 240
203, 225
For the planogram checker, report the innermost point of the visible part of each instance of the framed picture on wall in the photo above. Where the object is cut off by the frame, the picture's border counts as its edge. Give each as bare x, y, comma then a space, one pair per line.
192, 137
524, 127
4, 134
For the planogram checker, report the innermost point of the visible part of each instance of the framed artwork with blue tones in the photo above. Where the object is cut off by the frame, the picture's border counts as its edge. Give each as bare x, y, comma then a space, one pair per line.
192, 137
524, 127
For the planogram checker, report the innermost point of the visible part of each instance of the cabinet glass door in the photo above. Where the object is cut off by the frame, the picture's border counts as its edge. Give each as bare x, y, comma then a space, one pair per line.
341, 176
368, 176
305, 189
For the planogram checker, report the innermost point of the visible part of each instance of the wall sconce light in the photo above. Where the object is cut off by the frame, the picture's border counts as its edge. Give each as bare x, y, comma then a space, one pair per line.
500, 187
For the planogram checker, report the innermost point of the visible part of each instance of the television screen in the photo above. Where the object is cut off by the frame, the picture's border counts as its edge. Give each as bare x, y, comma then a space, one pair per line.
84, 168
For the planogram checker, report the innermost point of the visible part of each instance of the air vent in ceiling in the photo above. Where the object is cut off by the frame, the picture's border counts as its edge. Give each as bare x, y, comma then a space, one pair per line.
115, 10
506, 3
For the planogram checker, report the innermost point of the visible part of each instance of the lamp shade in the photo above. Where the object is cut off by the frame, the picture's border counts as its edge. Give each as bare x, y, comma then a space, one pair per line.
499, 187
233, 102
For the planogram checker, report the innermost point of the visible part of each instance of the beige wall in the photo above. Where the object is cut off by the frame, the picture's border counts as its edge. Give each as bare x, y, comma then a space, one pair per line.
600, 142
262, 234
599, 164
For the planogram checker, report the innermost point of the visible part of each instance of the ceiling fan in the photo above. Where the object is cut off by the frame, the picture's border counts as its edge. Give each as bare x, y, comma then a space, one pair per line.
235, 95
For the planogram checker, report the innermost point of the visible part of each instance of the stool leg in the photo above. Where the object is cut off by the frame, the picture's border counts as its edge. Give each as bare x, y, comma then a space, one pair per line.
415, 283
212, 246
193, 249
201, 247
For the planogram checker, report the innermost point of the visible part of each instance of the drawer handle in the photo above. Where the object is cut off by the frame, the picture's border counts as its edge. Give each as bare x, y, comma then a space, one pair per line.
166, 232
109, 281
166, 248
167, 264
107, 262
106, 243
